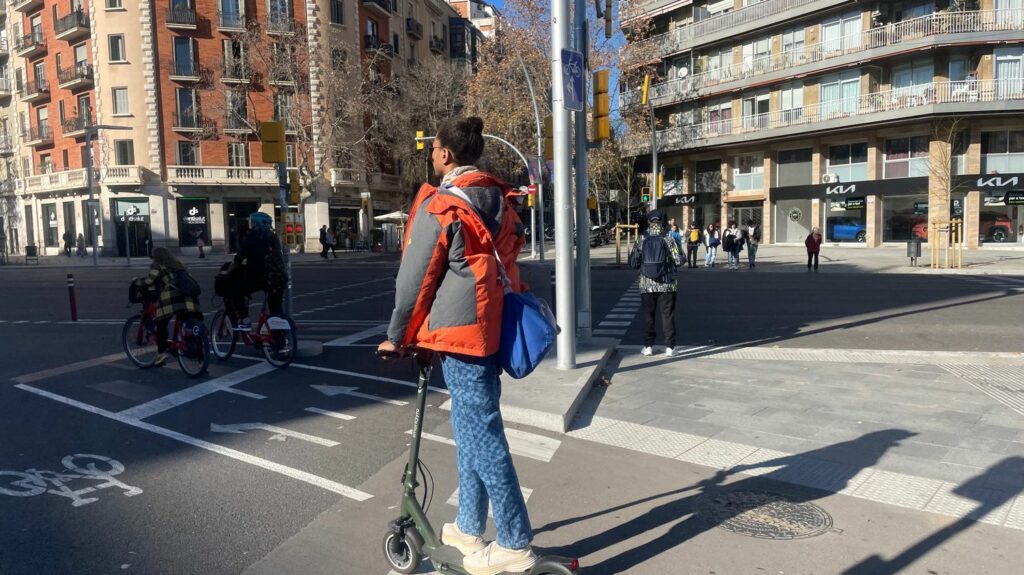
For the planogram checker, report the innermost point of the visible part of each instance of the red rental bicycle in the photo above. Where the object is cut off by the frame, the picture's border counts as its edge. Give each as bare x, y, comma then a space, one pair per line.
189, 341
273, 335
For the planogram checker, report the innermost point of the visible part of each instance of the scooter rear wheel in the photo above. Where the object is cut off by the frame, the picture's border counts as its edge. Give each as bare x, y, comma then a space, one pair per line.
402, 552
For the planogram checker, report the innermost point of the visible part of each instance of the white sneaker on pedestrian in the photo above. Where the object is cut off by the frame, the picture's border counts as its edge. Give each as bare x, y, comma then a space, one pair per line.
466, 544
495, 559
670, 352
647, 351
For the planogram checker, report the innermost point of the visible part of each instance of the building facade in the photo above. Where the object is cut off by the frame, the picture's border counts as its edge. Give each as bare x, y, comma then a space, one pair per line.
877, 122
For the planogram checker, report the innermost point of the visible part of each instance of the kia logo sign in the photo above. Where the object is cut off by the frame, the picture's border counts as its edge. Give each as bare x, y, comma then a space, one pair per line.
997, 182
840, 190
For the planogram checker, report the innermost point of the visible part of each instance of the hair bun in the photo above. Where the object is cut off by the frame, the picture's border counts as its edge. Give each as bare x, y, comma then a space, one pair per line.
476, 124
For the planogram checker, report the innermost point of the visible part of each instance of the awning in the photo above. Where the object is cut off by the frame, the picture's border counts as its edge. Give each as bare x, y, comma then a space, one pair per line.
393, 218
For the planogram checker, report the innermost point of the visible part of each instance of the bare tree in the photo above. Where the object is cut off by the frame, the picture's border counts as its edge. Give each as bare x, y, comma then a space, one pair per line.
951, 138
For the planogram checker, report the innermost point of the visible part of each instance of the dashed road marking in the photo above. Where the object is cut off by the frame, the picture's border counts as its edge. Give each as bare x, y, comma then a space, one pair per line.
334, 414
70, 368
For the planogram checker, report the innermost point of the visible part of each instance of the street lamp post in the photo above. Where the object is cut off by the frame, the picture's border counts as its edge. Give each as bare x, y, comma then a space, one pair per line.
90, 131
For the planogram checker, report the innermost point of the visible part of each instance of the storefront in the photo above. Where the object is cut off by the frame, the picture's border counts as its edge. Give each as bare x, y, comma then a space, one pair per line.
132, 227
1001, 212
344, 220
193, 221
236, 216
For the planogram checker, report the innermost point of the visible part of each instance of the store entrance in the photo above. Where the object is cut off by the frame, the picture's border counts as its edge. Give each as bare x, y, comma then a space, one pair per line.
133, 236
237, 222
741, 214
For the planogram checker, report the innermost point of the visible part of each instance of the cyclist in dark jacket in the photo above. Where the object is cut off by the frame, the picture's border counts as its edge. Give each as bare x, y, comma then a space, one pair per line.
258, 266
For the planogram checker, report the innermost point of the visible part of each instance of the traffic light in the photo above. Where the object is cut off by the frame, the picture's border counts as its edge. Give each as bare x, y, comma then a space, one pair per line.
643, 91
608, 19
549, 138
661, 184
419, 140
602, 121
645, 195
294, 187
272, 137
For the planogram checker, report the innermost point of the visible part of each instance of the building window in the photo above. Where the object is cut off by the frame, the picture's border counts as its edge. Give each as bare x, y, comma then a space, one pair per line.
848, 162
46, 164
793, 44
912, 83
748, 172
906, 157
1002, 152
757, 56
238, 154
842, 32
289, 152
124, 152
756, 108
394, 43
1010, 71
338, 11
372, 28
120, 100
184, 50
114, 4
961, 141
188, 154
793, 168
116, 45
708, 178
792, 100
282, 109
840, 94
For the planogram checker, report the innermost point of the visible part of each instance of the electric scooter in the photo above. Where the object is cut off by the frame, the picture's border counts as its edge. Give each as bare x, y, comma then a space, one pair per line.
410, 538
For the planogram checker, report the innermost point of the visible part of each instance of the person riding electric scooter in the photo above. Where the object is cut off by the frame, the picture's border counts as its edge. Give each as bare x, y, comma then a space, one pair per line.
448, 301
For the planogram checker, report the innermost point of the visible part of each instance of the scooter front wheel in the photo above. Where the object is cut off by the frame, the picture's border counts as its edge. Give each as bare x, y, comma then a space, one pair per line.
552, 565
402, 552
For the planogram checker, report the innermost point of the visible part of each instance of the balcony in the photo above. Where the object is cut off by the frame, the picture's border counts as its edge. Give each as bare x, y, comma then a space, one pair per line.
71, 27
121, 175
26, 6
231, 21
5, 88
235, 123
194, 123
78, 76
55, 182
30, 45
280, 24
381, 7
36, 136
374, 44
381, 181
887, 107
347, 177
182, 18
281, 76
414, 28
4, 45
188, 71
437, 44
221, 176
34, 90
915, 34
235, 72
74, 127
6, 146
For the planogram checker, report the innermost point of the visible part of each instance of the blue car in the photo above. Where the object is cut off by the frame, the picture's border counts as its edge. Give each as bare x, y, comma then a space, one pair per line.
846, 230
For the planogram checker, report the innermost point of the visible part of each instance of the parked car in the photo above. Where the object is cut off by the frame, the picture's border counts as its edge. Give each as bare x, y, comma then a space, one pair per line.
846, 230
992, 226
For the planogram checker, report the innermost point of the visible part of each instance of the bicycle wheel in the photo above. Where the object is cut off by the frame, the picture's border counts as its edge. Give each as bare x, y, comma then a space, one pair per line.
139, 342
278, 342
193, 351
89, 464
24, 484
223, 339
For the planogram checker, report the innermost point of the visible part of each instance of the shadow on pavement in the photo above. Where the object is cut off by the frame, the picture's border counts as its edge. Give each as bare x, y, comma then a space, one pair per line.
679, 512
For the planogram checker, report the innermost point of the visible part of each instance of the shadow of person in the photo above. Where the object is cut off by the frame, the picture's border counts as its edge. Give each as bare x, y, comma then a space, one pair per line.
839, 462
976, 489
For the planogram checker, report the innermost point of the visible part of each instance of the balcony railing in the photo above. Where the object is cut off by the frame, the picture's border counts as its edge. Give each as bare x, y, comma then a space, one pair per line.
235, 72
74, 24
236, 122
35, 89
193, 121
188, 69
55, 181
375, 44
682, 89
181, 17
437, 44
128, 175
231, 20
71, 126
5, 87
30, 43
346, 177
280, 24
384, 7
413, 28
221, 175
876, 106
38, 135
77, 75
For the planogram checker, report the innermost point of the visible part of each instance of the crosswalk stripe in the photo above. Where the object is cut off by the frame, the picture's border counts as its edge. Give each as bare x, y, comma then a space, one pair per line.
620, 316
616, 323
609, 332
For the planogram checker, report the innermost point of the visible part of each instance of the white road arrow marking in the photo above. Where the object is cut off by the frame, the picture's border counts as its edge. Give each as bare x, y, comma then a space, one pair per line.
332, 390
280, 433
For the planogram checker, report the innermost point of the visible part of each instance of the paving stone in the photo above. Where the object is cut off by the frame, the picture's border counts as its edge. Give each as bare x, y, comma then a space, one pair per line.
899, 489
973, 458
701, 428
761, 439
979, 504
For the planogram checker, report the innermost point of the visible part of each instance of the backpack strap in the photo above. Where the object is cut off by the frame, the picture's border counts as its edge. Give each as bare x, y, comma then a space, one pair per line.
457, 192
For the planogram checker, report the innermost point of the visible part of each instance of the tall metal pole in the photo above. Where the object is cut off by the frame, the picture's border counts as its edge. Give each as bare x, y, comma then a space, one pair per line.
583, 312
563, 190
654, 157
540, 166
282, 180
88, 183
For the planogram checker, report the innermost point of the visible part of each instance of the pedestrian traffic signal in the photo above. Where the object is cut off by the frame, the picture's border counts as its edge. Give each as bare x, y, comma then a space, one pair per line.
272, 137
294, 187
645, 195
602, 121
419, 140
549, 138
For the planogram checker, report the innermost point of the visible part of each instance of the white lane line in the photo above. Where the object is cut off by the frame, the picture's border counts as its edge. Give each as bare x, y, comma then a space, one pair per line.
303, 476
353, 373
522, 443
20, 321
626, 309
359, 336
280, 433
454, 499
70, 368
243, 393
333, 414
332, 390
172, 400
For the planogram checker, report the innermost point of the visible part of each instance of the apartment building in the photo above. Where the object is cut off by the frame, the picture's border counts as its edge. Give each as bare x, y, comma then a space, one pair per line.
837, 114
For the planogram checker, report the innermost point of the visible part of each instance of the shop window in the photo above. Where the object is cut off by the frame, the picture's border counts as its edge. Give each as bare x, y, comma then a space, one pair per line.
906, 157
709, 177
51, 234
905, 218
673, 180
793, 168
1002, 152
193, 220
846, 220
748, 172
848, 162
999, 223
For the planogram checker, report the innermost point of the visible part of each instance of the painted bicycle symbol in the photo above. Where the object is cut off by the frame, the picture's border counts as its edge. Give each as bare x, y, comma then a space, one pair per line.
77, 467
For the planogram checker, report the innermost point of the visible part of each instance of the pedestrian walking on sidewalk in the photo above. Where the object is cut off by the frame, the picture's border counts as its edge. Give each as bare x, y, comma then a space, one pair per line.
677, 236
692, 245
711, 243
455, 232
69, 242
732, 243
80, 246
752, 238
201, 244
332, 244
657, 257
323, 242
813, 243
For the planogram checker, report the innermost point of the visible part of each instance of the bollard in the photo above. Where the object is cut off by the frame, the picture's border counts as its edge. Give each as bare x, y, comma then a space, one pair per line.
71, 297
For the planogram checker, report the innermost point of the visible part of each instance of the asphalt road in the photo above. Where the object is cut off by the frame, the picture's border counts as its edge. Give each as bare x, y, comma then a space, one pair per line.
221, 471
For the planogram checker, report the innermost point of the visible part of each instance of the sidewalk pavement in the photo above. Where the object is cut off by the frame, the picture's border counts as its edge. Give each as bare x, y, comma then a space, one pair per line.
214, 259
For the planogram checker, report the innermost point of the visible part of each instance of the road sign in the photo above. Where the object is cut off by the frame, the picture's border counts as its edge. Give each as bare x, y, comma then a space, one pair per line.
572, 80
532, 189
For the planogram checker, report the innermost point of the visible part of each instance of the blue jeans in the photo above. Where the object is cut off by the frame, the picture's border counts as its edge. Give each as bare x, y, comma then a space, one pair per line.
710, 257
734, 259
752, 254
485, 465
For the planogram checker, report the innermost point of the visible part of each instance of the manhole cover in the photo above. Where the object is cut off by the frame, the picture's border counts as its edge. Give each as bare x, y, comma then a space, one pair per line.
763, 515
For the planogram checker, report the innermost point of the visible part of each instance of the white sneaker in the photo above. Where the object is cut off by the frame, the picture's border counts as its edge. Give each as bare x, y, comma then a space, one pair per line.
670, 352
466, 544
495, 559
647, 351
